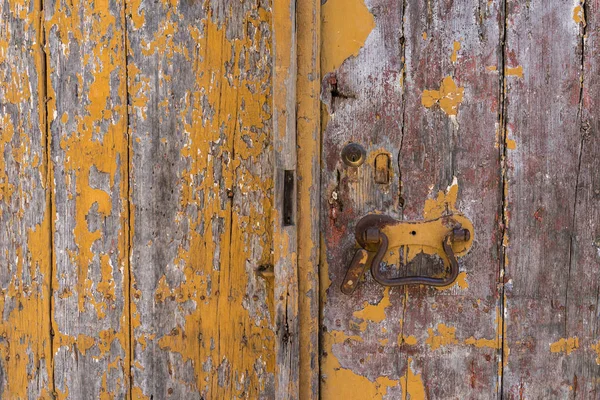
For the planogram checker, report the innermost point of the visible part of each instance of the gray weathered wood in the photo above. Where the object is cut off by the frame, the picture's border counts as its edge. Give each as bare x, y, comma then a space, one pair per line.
25, 343
87, 108
455, 43
552, 196
285, 233
201, 183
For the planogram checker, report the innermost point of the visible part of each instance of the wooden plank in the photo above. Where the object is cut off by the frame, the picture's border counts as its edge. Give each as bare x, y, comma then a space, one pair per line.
361, 70
285, 241
199, 78
552, 153
424, 89
450, 161
25, 251
87, 104
308, 23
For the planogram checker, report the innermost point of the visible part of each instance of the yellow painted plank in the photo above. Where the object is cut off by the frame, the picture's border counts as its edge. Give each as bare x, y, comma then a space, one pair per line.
199, 77
87, 106
308, 23
25, 348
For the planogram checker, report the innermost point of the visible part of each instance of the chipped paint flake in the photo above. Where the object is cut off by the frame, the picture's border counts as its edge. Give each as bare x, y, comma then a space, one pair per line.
596, 348
579, 14
455, 49
565, 345
448, 97
412, 384
445, 336
514, 71
346, 25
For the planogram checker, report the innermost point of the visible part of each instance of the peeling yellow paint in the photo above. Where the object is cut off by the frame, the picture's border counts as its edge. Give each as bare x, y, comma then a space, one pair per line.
374, 312
342, 383
489, 343
579, 14
514, 71
446, 336
412, 385
346, 24
443, 203
449, 96
424, 35
565, 345
461, 281
409, 340
596, 348
455, 49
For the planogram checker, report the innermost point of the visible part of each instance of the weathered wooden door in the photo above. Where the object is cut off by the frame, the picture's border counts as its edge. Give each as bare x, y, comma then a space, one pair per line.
136, 185
486, 109
181, 181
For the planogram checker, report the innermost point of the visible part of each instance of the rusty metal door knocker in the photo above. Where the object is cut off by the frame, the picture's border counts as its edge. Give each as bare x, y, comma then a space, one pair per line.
449, 236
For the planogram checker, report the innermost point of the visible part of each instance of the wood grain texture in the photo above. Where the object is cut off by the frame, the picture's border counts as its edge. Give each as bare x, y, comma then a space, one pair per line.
363, 103
199, 78
552, 200
308, 23
424, 89
285, 233
25, 342
449, 144
87, 105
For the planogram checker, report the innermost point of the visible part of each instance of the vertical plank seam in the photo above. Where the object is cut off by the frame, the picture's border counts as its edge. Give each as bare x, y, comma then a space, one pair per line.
49, 185
582, 132
502, 117
285, 242
400, 186
402, 128
308, 167
128, 236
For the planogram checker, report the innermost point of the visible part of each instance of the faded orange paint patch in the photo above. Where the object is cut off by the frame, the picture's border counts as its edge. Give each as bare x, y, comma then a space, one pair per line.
346, 24
596, 348
342, 383
461, 281
511, 144
409, 340
446, 336
375, 312
565, 345
514, 71
579, 14
479, 343
412, 386
455, 49
444, 202
449, 96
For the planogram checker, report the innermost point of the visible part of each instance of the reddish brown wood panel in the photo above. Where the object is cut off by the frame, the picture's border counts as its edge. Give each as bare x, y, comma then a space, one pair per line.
450, 145
423, 89
490, 109
553, 159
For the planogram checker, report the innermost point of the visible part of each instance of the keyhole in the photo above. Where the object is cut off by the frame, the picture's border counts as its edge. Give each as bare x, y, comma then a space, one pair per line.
353, 155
